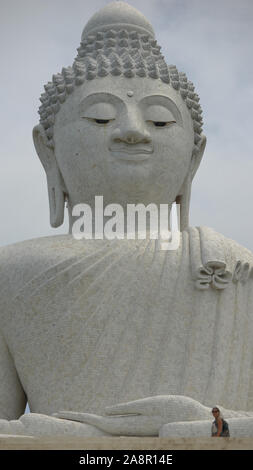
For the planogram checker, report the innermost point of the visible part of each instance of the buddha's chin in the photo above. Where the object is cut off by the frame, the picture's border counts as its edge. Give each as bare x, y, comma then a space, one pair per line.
136, 188
131, 172
140, 195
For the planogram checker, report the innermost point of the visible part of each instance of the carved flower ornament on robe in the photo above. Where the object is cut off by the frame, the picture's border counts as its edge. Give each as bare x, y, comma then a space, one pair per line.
213, 274
209, 266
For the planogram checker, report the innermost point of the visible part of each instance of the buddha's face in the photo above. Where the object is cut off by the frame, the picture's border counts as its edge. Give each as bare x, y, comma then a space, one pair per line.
128, 139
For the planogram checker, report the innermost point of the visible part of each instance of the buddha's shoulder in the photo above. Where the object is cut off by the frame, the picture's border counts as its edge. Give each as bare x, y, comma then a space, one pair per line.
24, 261
40, 252
32, 254
232, 250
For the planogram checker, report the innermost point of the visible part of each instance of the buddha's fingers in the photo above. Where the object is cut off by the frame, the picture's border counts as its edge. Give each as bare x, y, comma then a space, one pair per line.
118, 425
141, 407
70, 415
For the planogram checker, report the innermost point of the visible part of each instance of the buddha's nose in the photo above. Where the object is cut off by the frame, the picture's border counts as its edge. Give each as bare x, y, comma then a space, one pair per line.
131, 131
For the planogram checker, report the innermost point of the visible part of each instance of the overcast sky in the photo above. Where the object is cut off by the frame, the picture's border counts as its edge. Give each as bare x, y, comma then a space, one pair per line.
211, 41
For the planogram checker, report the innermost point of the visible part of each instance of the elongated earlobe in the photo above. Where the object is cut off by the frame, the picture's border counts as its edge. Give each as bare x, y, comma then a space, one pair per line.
56, 198
183, 199
56, 188
184, 195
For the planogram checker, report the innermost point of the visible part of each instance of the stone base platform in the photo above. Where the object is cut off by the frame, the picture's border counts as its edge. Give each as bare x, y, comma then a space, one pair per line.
122, 443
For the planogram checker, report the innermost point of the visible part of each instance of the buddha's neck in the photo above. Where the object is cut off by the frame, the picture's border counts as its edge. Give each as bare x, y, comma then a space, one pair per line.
126, 222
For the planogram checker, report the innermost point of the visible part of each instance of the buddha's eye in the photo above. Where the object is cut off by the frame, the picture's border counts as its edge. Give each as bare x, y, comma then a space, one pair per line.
99, 113
102, 121
158, 115
163, 123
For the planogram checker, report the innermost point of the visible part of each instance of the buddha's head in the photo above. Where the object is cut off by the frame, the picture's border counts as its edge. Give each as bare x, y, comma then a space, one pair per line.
119, 122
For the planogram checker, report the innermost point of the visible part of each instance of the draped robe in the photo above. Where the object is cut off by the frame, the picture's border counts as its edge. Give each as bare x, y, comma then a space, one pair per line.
92, 323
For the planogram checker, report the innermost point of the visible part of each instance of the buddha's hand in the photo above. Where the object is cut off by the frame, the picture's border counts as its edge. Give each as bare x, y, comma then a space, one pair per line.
142, 417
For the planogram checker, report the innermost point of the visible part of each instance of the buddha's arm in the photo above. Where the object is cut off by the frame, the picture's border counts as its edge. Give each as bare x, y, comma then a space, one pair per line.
165, 415
12, 396
13, 402
34, 424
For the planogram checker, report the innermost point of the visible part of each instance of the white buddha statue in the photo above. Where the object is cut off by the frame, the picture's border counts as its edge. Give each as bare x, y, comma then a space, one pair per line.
117, 337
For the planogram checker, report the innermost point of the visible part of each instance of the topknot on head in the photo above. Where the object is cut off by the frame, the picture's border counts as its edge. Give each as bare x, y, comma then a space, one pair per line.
115, 16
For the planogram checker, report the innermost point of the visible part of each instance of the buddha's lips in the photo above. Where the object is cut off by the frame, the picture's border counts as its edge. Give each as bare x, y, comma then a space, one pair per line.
132, 152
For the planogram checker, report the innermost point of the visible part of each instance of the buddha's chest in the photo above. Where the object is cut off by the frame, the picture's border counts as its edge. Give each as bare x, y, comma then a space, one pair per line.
100, 319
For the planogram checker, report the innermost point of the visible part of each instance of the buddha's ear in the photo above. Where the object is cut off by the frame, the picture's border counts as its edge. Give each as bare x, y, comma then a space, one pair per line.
55, 184
184, 195
197, 156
